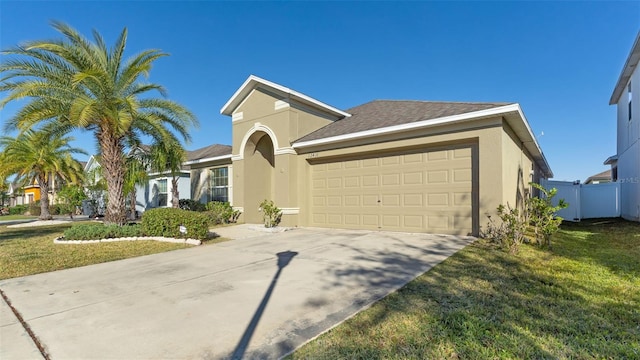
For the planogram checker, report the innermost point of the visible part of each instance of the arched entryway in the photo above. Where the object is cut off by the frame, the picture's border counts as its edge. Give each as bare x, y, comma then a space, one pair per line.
259, 164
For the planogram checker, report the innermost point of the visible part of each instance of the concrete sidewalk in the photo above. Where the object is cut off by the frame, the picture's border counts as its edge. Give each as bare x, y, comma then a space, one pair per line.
259, 296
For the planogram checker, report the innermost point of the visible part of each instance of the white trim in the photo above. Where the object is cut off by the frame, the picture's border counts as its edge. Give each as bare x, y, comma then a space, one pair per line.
408, 126
230, 183
168, 173
281, 104
255, 128
502, 110
290, 211
237, 116
215, 158
253, 81
285, 150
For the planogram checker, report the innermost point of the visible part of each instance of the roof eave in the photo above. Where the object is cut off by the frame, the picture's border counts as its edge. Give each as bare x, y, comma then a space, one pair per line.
521, 128
254, 81
209, 159
627, 70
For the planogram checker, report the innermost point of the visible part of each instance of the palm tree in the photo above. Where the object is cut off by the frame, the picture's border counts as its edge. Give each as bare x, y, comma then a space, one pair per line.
74, 83
169, 156
39, 157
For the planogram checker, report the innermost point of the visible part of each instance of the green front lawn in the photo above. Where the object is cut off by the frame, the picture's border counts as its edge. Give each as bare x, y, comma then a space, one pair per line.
17, 217
30, 250
581, 300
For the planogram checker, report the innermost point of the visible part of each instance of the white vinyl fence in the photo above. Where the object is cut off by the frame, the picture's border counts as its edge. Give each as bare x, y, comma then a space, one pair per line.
586, 201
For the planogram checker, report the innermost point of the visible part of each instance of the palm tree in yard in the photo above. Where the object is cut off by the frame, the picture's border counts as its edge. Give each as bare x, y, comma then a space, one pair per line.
38, 157
74, 83
168, 157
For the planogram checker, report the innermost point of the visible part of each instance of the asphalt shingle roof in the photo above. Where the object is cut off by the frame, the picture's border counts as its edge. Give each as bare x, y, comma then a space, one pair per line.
209, 152
384, 113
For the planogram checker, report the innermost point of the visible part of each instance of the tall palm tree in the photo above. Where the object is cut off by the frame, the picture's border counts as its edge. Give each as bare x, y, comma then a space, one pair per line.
168, 157
74, 83
40, 157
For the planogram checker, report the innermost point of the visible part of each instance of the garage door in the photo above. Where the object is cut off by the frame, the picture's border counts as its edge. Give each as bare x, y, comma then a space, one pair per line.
425, 191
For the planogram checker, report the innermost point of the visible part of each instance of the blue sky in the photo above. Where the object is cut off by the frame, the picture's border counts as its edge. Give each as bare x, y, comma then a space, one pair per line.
559, 60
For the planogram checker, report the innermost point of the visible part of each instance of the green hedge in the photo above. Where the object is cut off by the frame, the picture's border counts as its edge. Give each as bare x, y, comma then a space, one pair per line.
167, 222
97, 231
18, 209
193, 205
221, 213
34, 208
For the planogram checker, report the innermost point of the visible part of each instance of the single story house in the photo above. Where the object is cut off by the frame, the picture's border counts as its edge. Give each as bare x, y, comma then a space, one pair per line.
599, 178
418, 166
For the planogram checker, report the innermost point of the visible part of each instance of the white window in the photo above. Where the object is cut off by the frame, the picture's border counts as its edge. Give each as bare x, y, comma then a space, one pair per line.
219, 180
162, 192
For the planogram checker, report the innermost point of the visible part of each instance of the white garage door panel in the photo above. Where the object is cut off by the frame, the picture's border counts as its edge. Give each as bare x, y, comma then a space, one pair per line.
426, 191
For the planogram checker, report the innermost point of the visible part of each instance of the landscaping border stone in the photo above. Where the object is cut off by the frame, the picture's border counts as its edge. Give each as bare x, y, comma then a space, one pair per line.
61, 240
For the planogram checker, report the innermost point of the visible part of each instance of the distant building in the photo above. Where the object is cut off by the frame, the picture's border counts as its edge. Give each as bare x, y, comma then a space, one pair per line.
600, 178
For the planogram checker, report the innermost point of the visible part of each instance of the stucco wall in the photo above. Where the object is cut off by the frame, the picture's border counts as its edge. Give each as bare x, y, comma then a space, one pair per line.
516, 169
628, 146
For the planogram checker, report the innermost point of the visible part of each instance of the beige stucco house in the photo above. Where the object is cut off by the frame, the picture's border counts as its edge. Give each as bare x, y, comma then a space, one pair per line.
416, 166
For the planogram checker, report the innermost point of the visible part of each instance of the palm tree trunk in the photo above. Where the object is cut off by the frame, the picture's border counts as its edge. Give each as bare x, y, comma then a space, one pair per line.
44, 198
132, 205
113, 171
175, 196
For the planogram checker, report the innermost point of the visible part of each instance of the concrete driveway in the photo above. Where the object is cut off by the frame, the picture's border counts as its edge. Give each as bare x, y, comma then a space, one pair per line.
259, 296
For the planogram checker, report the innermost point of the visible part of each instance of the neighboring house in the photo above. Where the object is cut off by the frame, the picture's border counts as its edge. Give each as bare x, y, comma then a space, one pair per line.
96, 203
600, 178
210, 173
16, 195
625, 165
418, 166
31, 193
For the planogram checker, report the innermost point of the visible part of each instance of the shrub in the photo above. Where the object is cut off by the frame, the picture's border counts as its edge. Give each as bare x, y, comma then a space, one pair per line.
538, 218
56, 209
542, 213
193, 205
510, 231
272, 214
221, 213
97, 231
18, 209
34, 208
167, 222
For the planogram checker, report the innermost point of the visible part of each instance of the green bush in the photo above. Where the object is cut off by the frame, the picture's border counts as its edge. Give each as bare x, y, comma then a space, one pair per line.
56, 209
193, 205
18, 209
272, 214
221, 213
34, 208
167, 222
97, 231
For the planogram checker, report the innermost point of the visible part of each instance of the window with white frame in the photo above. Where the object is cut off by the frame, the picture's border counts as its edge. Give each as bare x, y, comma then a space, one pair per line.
219, 181
162, 192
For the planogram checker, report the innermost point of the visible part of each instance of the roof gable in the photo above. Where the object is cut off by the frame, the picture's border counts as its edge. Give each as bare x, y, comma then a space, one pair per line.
211, 151
254, 82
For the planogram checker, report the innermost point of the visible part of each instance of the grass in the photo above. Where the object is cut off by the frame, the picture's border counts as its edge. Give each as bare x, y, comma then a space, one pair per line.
30, 250
580, 300
17, 217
